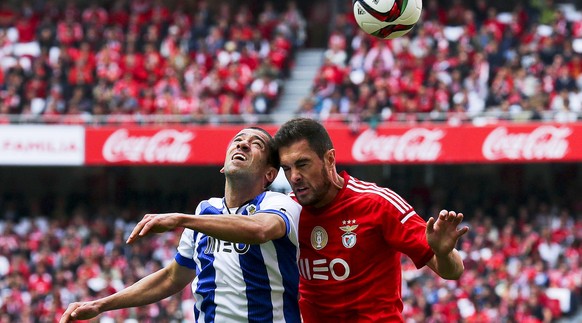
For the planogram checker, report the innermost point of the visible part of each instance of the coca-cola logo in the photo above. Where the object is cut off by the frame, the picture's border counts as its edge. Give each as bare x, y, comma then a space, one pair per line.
168, 145
415, 145
544, 142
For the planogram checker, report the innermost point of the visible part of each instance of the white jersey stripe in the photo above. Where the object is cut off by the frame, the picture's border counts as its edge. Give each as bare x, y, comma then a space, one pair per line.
380, 193
365, 185
304, 267
407, 217
375, 186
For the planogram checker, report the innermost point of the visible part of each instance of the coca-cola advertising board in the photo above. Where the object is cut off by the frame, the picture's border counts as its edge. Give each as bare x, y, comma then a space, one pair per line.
203, 145
542, 142
206, 145
42, 145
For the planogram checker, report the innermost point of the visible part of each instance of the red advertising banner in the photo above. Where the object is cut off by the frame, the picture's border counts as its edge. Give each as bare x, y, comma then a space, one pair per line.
206, 145
200, 145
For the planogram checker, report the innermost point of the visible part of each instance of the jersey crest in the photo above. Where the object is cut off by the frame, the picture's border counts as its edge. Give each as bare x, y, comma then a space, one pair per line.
349, 237
251, 209
319, 238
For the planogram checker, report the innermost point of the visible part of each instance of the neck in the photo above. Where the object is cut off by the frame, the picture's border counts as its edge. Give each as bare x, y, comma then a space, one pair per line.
336, 184
236, 193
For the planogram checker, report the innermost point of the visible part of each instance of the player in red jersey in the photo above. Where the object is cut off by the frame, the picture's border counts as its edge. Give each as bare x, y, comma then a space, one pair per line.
352, 234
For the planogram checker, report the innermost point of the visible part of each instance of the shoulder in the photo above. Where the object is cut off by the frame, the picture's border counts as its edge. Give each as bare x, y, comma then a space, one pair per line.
382, 196
276, 200
270, 195
214, 201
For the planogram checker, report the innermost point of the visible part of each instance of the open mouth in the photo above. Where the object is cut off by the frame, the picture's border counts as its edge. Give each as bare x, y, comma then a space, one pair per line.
239, 156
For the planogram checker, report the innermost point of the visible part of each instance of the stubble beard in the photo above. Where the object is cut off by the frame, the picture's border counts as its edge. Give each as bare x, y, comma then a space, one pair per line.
317, 192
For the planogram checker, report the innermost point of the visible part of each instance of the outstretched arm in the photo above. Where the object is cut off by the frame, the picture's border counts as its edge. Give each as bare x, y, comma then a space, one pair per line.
150, 289
442, 236
255, 229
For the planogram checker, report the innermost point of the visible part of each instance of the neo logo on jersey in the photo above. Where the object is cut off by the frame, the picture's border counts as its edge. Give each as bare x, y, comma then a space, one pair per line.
337, 268
216, 245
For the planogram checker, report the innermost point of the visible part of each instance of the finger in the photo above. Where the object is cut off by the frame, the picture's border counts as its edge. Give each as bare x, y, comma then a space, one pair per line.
459, 218
146, 228
68, 314
430, 225
134, 235
443, 215
462, 231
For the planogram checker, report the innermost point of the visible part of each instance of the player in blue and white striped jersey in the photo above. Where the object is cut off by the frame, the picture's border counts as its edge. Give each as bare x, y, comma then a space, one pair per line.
239, 252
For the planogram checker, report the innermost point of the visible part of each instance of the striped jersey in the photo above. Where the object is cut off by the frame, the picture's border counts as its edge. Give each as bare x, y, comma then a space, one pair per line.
236, 282
350, 254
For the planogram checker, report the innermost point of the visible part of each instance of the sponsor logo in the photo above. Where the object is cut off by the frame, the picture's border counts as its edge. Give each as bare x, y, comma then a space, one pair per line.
337, 269
544, 142
416, 144
216, 245
319, 238
360, 10
349, 237
163, 146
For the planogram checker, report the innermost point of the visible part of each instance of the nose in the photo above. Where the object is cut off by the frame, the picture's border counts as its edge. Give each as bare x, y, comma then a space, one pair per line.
243, 145
294, 176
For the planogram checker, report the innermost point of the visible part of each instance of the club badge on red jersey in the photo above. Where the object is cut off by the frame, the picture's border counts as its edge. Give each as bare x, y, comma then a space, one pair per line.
349, 237
318, 238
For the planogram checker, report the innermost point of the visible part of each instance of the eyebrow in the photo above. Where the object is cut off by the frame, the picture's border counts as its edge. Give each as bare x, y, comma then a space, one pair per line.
252, 136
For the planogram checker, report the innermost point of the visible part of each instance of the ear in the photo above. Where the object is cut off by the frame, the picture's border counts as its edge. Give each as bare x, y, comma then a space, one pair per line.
329, 163
222, 170
329, 159
270, 176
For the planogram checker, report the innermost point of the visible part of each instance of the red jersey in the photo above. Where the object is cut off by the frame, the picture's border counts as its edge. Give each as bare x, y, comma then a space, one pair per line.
350, 254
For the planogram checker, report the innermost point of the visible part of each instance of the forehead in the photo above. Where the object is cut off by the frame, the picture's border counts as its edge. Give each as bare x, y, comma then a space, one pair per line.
299, 150
249, 133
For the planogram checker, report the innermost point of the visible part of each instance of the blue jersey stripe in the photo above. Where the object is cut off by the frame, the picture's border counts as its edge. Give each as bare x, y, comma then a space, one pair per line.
290, 274
279, 213
258, 288
206, 286
186, 262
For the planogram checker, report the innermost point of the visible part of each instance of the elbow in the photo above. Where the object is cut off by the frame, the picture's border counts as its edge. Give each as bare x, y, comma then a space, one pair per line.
260, 238
454, 275
258, 235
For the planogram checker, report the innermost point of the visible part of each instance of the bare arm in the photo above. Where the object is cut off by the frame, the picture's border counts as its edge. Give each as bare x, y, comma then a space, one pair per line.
150, 289
442, 236
255, 229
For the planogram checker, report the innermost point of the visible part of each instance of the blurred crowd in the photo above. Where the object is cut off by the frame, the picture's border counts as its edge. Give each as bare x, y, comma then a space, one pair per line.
68, 61
464, 60
522, 265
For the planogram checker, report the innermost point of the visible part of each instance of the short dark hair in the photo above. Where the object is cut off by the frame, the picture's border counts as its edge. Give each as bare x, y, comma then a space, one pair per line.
299, 129
273, 152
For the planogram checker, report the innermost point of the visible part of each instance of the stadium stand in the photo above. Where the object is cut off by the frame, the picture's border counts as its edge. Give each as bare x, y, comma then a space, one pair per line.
470, 62
82, 62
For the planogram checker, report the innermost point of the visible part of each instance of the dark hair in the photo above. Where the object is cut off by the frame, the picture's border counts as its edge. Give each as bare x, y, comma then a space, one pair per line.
299, 129
273, 152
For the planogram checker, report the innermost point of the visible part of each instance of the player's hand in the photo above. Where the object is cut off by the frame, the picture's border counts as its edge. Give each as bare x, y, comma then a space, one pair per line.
79, 311
154, 223
442, 234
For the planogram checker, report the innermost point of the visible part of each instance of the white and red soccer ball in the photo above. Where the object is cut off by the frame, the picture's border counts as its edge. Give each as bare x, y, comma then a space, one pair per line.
387, 19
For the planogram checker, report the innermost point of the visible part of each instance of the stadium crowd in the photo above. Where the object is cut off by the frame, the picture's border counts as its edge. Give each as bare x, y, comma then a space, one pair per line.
121, 60
464, 59
521, 265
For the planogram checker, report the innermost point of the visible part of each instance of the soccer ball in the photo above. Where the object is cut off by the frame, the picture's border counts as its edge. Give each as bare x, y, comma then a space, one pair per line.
387, 19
